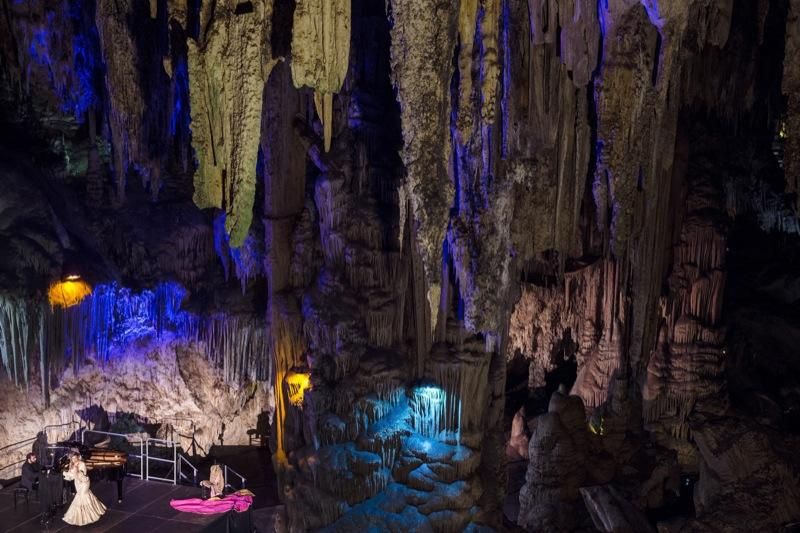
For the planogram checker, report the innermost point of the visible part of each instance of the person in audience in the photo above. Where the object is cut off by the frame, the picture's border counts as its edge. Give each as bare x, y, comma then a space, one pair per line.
30, 472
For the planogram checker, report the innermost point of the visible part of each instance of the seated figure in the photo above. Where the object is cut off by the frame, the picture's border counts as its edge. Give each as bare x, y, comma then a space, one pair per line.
216, 481
30, 472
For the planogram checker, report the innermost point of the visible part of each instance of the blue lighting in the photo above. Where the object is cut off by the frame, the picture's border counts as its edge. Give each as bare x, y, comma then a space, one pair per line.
428, 410
506, 81
247, 259
602, 9
433, 394
117, 316
114, 319
179, 119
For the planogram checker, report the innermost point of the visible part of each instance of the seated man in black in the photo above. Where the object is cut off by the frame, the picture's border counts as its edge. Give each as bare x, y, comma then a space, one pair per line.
30, 472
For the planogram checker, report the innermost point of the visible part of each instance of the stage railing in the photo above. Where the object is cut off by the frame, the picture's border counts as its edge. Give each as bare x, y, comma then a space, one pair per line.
227, 469
53, 434
183, 460
14, 468
173, 461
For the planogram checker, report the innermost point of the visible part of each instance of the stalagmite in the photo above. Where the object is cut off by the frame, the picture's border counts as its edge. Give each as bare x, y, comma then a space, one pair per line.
321, 53
228, 68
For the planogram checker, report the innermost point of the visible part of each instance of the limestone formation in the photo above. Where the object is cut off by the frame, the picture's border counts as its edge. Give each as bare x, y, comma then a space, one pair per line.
174, 386
423, 39
229, 65
558, 450
789, 130
321, 53
422, 238
127, 105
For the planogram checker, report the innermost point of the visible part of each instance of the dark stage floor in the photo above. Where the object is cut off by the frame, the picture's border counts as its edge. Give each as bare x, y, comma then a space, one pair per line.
144, 508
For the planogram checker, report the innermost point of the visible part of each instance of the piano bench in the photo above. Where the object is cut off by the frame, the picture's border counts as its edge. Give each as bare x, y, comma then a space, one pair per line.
21, 491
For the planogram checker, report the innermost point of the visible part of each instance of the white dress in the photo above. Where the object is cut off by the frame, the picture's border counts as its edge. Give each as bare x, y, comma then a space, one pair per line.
85, 507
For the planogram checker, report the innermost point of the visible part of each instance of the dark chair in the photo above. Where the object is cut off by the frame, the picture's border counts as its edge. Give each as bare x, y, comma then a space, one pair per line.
21, 491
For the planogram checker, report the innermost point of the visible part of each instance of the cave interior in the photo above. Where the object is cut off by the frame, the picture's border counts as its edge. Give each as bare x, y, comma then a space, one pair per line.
450, 265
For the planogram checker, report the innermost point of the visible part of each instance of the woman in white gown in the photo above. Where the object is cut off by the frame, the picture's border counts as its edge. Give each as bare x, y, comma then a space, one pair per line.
85, 507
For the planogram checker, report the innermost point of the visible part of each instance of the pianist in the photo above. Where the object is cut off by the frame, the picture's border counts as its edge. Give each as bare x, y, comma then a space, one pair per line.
30, 473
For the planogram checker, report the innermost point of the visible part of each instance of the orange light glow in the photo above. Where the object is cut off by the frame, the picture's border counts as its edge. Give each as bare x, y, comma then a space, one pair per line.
68, 293
297, 383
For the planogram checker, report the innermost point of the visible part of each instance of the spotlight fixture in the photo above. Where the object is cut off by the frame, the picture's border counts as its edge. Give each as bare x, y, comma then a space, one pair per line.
68, 293
297, 384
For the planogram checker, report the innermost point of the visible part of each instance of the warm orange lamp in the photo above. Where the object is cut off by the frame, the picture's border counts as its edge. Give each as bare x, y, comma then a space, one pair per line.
297, 383
71, 291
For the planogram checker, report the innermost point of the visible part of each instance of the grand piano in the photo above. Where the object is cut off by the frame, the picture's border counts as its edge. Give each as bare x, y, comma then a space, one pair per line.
101, 463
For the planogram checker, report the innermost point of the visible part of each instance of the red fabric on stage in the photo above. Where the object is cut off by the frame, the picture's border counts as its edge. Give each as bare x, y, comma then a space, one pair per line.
214, 505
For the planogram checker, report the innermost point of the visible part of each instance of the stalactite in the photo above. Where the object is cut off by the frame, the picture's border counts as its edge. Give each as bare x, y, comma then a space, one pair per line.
15, 316
239, 346
490, 68
791, 89
467, 21
686, 365
321, 53
423, 40
428, 408
228, 68
114, 316
126, 106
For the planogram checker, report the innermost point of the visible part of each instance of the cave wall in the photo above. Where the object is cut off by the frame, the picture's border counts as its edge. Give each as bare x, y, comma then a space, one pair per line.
167, 384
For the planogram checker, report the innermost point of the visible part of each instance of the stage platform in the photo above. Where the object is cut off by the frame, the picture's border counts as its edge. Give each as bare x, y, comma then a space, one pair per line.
145, 508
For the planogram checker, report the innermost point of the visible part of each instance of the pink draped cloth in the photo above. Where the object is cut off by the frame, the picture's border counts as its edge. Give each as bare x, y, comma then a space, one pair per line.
213, 506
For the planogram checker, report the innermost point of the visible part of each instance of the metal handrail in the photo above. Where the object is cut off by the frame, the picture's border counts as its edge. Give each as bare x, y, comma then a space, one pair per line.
70, 423
174, 460
8, 447
126, 436
17, 464
182, 459
226, 468
24, 441
11, 447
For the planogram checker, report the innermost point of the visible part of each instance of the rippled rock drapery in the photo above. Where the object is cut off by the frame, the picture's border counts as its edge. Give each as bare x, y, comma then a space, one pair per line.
687, 364
228, 68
